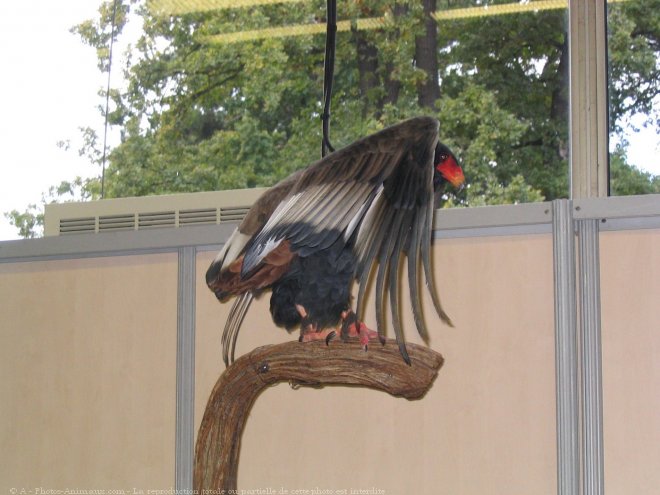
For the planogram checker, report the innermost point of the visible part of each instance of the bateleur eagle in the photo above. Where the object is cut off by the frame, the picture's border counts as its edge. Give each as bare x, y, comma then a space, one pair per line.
312, 234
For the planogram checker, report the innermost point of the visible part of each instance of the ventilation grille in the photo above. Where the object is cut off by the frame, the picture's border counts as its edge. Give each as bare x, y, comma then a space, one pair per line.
116, 222
156, 219
165, 211
204, 216
77, 225
233, 214
153, 220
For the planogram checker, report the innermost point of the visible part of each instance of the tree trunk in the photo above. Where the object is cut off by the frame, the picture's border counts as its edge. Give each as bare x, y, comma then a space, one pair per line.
559, 108
426, 57
313, 363
392, 86
367, 62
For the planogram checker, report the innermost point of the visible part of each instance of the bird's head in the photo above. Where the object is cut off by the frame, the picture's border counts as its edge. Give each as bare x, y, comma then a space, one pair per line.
446, 168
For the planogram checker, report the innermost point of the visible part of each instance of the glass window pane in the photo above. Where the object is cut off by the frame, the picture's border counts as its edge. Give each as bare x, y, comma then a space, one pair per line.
633, 30
232, 97
213, 94
504, 97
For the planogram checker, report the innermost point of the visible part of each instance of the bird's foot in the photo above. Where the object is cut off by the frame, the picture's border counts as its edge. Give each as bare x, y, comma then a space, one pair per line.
327, 334
352, 327
309, 331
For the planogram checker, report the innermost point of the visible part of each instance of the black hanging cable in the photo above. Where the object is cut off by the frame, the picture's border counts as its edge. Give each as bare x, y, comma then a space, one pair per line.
329, 69
107, 98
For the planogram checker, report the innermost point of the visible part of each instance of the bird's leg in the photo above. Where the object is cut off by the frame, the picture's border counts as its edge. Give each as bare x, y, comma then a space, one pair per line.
352, 327
309, 331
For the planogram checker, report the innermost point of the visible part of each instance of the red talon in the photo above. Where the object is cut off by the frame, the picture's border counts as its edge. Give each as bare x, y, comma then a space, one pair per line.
350, 327
360, 330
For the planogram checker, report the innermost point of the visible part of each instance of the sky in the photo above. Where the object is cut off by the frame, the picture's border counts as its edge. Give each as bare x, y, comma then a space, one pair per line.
49, 87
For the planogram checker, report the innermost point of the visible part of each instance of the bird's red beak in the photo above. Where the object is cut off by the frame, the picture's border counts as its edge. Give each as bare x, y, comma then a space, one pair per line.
452, 171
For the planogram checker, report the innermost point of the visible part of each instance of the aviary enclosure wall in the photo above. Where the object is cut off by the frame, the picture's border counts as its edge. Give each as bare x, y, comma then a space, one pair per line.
88, 361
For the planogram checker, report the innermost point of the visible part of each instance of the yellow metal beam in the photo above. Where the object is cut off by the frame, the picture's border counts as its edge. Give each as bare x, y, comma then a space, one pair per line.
499, 9
504, 8
178, 7
296, 30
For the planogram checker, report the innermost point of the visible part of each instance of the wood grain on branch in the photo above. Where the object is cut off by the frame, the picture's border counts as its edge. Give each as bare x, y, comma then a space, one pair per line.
312, 364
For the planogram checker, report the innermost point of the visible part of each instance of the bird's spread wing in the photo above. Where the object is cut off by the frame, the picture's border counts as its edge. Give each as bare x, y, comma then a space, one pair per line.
332, 196
376, 193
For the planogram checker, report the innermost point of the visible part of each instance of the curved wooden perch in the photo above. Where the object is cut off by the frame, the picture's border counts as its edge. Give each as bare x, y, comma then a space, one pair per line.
312, 364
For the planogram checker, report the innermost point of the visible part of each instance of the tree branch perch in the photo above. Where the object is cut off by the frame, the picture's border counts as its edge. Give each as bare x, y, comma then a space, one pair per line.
313, 364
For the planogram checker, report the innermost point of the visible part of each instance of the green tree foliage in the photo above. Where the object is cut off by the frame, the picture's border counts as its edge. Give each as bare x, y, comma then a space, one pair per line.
199, 115
626, 180
29, 223
634, 51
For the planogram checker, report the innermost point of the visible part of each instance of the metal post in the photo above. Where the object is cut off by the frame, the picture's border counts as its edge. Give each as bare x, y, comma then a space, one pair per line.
590, 346
568, 465
185, 370
588, 99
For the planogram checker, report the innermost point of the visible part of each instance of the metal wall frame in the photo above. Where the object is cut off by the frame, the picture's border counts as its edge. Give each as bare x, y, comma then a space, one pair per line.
185, 369
566, 352
577, 291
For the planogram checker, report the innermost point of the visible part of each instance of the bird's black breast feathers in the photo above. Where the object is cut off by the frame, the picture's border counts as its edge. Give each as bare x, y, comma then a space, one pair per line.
319, 282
